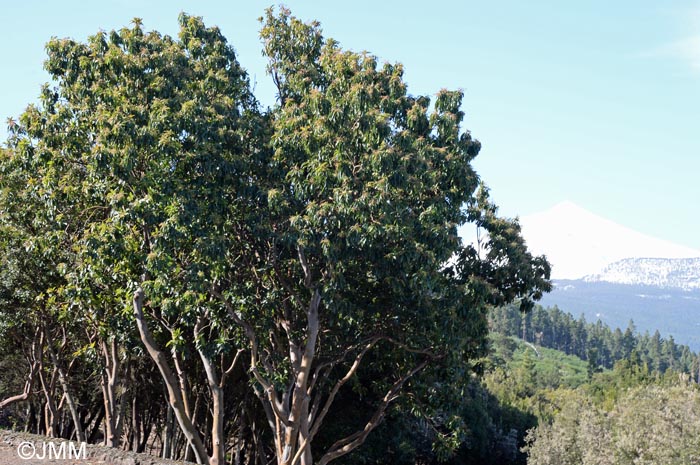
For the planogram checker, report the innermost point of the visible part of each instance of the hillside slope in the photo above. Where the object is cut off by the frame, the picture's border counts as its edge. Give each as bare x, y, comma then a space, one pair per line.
678, 273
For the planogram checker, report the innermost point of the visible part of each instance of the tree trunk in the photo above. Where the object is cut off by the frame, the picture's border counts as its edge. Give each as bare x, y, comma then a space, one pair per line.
62, 378
168, 434
110, 439
171, 383
110, 382
217, 411
96, 426
50, 411
146, 429
28, 387
135, 425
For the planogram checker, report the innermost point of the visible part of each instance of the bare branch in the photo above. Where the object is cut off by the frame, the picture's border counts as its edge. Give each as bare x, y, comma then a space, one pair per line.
331, 397
229, 370
351, 442
28, 387
252, 338
304, 267
175, 397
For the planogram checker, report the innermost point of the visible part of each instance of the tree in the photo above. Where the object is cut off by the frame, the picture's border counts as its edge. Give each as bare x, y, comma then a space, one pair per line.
579, 434
628, 341
143, 136
311, 248
593, 365
365, 194
32, 245
647, 425
657, 362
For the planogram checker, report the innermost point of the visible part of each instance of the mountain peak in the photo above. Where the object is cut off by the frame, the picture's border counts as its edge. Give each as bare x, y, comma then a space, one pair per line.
567, 209
579, 243
567, 205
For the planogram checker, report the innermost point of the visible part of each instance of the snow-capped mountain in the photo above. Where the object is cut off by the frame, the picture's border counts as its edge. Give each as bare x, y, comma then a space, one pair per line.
579, 243
680, 273
606, 271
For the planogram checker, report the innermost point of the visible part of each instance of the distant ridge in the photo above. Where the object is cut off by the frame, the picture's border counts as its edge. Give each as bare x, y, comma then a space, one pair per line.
678, 273
673, 311
579, 243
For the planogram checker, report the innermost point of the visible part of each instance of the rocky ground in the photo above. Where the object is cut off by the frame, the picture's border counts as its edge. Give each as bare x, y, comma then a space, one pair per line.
27, 449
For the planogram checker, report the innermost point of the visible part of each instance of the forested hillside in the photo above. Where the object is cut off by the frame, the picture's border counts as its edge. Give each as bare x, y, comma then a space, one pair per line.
671, 311
596, 342
538, 405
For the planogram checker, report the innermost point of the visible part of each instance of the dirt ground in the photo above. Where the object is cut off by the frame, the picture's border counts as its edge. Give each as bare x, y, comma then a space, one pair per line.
23, 449
10, 456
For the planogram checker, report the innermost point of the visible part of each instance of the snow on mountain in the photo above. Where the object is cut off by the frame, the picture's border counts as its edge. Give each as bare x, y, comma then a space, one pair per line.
681, 273
579, 243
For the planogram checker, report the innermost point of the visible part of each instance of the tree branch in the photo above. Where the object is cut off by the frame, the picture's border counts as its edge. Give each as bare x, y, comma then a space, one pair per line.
351, 442
171, 384
304, 267
331, 397
252, 338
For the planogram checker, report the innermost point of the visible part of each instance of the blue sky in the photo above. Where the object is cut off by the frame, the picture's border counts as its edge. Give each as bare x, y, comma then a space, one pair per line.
594, 102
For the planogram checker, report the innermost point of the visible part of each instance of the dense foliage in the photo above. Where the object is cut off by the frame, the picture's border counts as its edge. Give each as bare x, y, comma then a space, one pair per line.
648, 424
186, 272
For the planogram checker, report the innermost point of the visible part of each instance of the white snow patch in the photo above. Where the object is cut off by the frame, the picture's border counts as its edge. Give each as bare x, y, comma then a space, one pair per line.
579, 243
